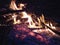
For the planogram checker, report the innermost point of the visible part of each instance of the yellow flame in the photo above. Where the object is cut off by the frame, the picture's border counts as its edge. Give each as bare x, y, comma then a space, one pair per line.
42, 18
31, 23
52, 26
13, 6
14, 19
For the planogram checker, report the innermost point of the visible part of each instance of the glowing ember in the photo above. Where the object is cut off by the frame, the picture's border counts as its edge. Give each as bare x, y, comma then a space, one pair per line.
24, 32
31, 21
23, 27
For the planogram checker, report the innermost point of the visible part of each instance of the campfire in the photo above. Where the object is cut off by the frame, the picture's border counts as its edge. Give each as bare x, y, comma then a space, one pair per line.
29, 24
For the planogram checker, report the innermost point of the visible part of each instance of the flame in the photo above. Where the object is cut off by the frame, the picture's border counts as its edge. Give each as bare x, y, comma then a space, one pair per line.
14, 6
14, 19
32, 23
51, 25
47, 31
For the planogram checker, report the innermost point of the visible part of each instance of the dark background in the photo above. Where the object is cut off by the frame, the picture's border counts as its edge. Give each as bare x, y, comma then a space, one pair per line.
50, 8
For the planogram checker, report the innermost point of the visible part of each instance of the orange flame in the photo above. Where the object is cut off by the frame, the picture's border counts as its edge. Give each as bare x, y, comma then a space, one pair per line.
14, 6
31, 23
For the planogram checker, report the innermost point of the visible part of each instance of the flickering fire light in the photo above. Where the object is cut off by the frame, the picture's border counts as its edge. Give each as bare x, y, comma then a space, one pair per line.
31, 22
14, 6
25, 31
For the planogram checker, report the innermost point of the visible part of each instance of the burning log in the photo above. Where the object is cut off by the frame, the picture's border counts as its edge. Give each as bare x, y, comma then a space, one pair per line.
55, 31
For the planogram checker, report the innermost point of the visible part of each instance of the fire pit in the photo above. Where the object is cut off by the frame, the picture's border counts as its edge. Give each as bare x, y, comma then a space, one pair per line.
27, 26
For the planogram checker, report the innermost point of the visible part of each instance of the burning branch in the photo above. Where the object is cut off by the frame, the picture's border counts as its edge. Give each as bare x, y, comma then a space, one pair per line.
54, 30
